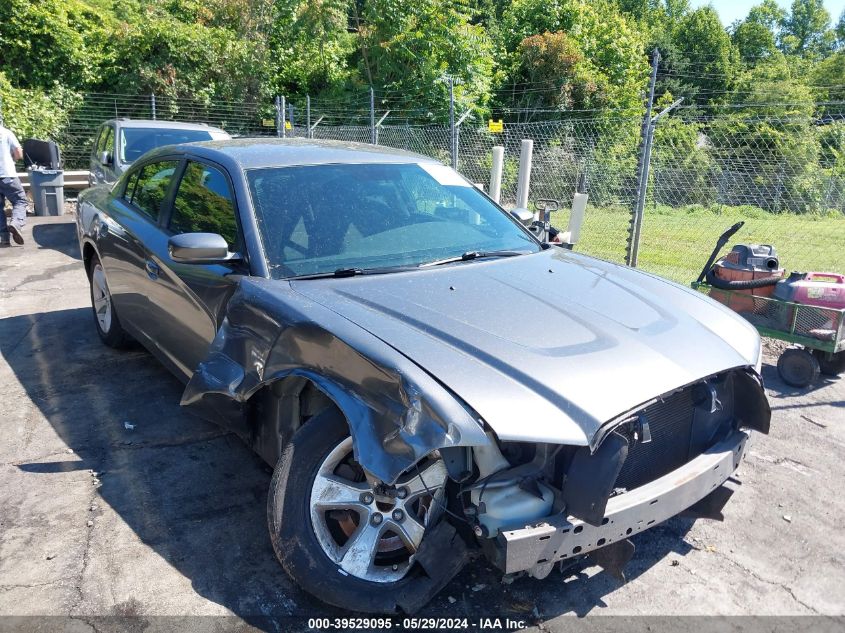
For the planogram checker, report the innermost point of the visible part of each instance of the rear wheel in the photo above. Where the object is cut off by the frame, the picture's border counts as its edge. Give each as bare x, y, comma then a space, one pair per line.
830, 364
798, 367
340, 538
105, 317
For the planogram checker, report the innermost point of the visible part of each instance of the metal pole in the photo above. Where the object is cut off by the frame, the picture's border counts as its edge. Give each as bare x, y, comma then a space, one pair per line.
373, 138
496, 172
278, 116
316, 123
643, 189
1, 110
153, 105
633, 238
452, 128
291, 118
282, 111
308, 115
379, 122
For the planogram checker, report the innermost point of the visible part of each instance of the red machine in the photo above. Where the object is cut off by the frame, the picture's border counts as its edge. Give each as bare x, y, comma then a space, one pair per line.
826, 290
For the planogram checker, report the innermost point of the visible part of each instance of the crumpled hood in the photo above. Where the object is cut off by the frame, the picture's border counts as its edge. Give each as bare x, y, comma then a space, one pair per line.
545, 347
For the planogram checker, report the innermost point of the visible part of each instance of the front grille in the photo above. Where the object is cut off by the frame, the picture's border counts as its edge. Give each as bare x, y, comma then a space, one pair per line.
670, 421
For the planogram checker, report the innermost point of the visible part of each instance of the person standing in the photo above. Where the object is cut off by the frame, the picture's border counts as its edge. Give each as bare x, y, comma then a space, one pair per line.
11, 188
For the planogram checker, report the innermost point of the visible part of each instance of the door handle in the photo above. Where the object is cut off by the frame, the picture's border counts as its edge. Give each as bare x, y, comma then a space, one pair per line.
152, 269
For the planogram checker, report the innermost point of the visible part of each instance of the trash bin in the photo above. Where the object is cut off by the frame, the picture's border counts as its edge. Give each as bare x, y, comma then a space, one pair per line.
48, 191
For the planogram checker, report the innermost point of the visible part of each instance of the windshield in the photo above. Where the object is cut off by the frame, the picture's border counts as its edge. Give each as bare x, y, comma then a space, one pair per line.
318, 219
135, 142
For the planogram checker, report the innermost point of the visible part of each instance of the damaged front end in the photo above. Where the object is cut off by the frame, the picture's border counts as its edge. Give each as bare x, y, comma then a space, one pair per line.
529, 504
535, 505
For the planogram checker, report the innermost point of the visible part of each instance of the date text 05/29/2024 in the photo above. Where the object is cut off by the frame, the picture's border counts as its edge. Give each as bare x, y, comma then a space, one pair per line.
416, 624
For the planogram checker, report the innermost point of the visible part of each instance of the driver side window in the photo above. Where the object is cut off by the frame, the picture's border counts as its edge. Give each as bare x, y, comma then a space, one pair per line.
204, 203
149, 187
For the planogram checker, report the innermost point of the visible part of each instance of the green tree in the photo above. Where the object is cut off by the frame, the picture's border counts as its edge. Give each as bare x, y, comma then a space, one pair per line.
754, 41
774, 136
611, 47
161, 54
828, 80
711, 61
407, 47
840, 31
34, 112
756, 37
49, 42
555, 62
806, 31
311, 46
769, 14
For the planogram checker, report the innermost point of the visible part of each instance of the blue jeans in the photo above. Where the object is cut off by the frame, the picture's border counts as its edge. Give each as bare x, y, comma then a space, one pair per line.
11, 189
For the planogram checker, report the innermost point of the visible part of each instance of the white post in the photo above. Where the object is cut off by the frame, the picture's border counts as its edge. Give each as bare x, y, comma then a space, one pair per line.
525, 154
496, 172
576, 219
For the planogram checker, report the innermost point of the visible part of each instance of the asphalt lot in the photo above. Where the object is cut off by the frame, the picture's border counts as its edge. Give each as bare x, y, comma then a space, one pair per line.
168, 517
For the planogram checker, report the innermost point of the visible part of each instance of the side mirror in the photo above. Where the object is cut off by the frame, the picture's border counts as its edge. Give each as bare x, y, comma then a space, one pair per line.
523, 215
199, 248
105, 158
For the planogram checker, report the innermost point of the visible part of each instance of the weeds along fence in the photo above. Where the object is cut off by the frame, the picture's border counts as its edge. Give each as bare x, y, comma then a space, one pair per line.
783, 176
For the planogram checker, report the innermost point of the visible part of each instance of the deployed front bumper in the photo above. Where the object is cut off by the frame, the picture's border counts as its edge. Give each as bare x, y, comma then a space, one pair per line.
536, 549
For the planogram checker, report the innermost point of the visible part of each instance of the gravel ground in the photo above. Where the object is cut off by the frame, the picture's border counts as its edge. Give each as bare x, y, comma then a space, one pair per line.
116, 502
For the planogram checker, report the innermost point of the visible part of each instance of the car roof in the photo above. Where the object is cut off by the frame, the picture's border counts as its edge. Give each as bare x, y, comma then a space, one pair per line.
166, 125
253, 153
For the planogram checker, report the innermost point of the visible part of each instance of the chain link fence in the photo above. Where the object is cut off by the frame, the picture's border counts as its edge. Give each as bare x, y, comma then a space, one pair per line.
783, 176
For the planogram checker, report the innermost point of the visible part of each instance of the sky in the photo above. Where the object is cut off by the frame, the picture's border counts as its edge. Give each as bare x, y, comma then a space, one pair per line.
730, 10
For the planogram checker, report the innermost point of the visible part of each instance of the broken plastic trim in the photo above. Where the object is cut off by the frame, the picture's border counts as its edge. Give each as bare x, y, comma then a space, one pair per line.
756, 410
592, 474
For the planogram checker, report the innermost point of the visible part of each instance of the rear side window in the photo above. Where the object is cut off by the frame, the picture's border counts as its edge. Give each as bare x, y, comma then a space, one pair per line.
204, 204
148, 189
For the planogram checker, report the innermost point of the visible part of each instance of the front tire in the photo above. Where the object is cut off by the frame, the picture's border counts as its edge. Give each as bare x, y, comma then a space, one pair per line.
108, 325
339, 538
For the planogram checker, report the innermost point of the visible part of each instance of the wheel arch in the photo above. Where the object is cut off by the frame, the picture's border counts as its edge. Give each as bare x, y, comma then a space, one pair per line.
89, 251
279, 408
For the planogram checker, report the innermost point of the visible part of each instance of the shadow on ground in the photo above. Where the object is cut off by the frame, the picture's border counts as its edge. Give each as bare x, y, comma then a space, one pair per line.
196, 495
58, 237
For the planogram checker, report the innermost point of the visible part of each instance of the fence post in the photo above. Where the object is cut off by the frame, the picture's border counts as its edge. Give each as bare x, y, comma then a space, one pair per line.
634, 245
496, 173
526, 152
308, 116
633, 237
453, 130
291, 118
153, 105
372, 116
1, 110
278, 116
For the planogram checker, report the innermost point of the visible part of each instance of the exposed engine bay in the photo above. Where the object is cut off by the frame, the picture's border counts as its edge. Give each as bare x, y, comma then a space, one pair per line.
511, 490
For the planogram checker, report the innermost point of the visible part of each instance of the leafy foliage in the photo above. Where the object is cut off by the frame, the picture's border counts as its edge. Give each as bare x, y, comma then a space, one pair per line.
610, 48
48, 42
32, 112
